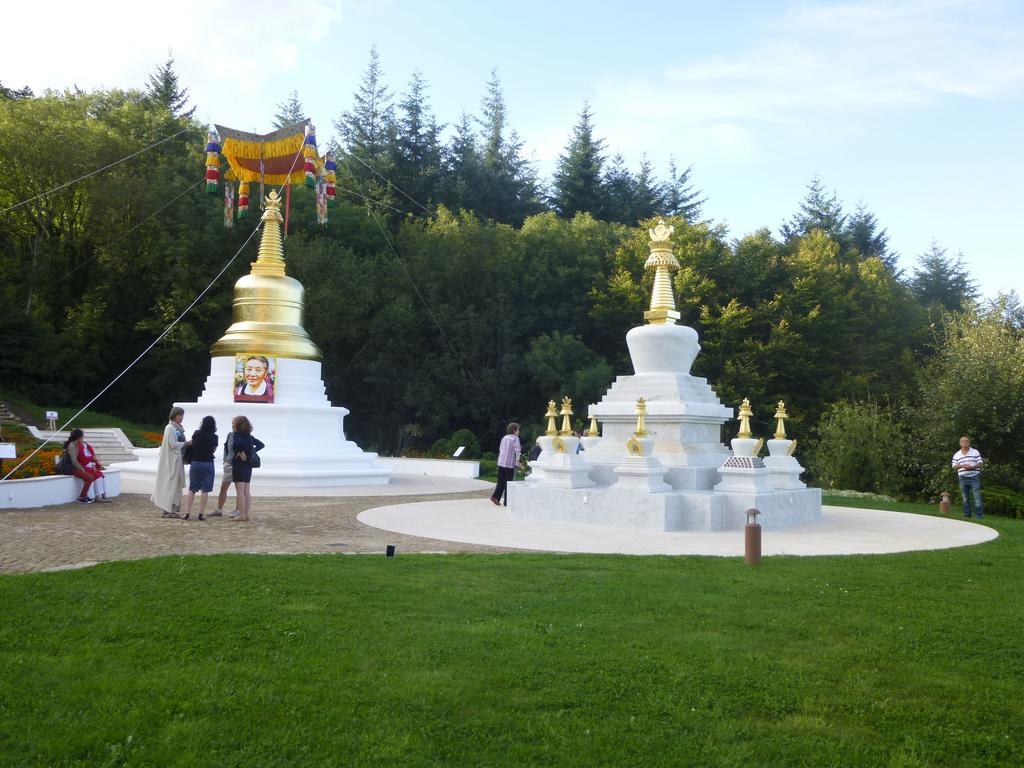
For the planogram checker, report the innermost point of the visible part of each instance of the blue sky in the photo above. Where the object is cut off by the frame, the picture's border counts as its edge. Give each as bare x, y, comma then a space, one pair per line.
913, 108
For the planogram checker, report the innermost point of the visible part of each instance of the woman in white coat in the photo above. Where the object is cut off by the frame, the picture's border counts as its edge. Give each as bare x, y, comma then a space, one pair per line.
170, 469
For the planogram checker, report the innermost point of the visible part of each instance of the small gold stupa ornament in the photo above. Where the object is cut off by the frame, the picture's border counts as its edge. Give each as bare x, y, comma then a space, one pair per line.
566, 413
641, 418
267, 308
745, 414
551, 415
592, 432
662, 261
780, 424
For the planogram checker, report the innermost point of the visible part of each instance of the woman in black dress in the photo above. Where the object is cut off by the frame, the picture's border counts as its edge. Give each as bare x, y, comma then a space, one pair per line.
244, 446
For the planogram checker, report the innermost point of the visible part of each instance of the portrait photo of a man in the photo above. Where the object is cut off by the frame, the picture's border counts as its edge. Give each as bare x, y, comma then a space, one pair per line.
255, 376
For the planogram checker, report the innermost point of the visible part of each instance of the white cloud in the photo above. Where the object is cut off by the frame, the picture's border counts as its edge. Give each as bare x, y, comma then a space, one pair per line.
822, 63
223, 49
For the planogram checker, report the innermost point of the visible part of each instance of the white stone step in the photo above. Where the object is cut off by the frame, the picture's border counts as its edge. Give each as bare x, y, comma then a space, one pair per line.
110, 444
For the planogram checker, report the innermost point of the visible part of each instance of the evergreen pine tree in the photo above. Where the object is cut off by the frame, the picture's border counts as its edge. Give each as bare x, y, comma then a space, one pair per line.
508, 183
12, 94
648, 194
366, 132
862, 233
940, 280
289, 111
416, 151
578, 184
817, 211
163, 88
619, 188
463, 168
680, 198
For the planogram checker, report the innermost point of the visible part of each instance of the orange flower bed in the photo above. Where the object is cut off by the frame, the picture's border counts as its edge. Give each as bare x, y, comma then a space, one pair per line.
42, 464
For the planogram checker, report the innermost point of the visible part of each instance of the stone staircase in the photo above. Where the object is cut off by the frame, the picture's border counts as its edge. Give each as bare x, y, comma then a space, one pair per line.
7, 415
110, 444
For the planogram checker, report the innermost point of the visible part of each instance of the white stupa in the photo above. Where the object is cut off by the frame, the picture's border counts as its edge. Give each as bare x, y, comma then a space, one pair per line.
267, 368
660, 463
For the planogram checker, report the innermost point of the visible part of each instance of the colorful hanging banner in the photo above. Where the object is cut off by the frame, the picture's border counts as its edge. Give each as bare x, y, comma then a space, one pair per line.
243, 199
330, 176
310, 154
212, 162
321, 201
272, 158
229, 205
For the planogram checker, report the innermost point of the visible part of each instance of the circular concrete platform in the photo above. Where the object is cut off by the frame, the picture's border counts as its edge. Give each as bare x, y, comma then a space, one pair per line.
841, 531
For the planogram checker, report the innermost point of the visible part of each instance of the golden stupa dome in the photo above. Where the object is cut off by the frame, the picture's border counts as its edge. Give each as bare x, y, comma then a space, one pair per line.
267, 306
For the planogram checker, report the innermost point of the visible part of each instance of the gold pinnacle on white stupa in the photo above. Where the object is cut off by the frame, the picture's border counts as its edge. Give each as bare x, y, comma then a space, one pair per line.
592, 432
566, 413
551, 415
641, 418
745, 414
780, 424
662, 261
270, 260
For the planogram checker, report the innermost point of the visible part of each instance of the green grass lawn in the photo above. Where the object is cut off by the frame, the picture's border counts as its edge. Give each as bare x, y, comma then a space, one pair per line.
486, 660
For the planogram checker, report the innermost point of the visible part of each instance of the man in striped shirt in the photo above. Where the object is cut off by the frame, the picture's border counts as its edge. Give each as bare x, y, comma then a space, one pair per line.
508, 460
968, 464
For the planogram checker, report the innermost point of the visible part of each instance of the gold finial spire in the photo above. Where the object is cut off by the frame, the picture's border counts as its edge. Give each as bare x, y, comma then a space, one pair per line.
780, 425
267, 306
641, 416
551, 415
270, 260
592, 432
662, 261
745, 414
566, 413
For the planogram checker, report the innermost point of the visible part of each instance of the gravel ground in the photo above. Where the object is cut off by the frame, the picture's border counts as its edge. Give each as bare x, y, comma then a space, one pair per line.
130, 527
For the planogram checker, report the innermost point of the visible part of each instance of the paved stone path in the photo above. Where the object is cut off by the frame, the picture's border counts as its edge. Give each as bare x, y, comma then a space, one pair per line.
130, 527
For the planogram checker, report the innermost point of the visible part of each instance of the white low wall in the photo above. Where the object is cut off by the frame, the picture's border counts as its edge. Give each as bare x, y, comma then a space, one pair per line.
51, 489
433, 467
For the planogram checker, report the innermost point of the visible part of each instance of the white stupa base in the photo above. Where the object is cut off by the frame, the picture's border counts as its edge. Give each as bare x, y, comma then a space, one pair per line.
742, 480
664, 511
562, 468
640, 473
304, 435
784, 471
778, 508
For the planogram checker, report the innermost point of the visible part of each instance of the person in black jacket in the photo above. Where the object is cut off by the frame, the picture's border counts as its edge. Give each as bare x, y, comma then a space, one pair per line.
244, 446
201, 471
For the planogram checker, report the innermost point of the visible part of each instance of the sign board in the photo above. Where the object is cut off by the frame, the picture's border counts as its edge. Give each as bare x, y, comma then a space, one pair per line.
458, 451
52, 415
8, 451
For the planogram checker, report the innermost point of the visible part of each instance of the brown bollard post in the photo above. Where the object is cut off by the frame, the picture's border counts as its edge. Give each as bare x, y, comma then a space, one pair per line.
752, 539
944, 503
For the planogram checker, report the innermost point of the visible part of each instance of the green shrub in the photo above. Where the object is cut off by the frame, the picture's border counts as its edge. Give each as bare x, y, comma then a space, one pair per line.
1002, 501
445, 447
858, 448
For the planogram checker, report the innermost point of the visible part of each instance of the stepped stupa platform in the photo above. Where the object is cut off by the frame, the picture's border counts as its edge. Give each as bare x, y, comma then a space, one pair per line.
267, 368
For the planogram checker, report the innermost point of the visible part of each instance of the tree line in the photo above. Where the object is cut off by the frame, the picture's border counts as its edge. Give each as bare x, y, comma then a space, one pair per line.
454, 289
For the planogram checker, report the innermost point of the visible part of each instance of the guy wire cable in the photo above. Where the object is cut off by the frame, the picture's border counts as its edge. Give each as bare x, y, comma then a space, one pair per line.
137, 359
390, 184
433, 317
93, 173
155, 341
100, 249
